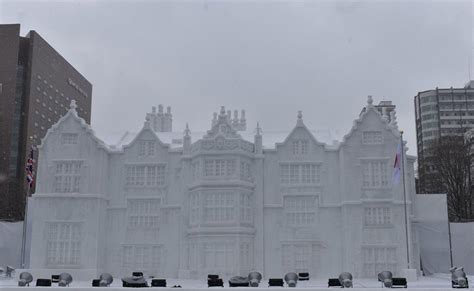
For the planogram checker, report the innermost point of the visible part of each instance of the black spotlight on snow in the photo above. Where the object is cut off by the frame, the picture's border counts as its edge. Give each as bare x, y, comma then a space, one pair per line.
386, 278
214, 281
458, 278
25, 279
254, 279
239, 281
291, 279
64, 279
345, 279
275, 282
303, 276
136, 281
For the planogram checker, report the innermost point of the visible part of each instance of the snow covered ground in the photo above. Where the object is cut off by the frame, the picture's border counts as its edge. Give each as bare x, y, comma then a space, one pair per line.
435, 282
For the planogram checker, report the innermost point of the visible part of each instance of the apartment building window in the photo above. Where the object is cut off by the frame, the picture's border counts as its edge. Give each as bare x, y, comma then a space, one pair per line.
67, 176
372, 137
376, 258
68, 138
145, 175
300, 210
63, 244
300, 147
300, 173
148, 258
143, 213
219, 207
375, 174
377, 216
146, 148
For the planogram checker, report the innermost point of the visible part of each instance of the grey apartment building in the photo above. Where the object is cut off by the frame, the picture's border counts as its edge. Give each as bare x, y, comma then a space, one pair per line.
440, 112
36, 87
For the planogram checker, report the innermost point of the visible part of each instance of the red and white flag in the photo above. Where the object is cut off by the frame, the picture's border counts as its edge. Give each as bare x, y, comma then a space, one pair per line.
397, 165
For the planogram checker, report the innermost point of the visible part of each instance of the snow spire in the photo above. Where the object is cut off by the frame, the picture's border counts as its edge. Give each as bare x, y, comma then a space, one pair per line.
73, 105
258, 140
147, 123
187, 132
258, 130
370, 100
299, 121
393, 119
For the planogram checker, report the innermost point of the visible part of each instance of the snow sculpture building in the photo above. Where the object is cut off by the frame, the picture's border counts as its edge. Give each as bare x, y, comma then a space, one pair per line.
173, 205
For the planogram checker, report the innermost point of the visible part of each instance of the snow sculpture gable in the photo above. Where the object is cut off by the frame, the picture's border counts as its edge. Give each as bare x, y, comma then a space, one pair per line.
222, 137
146, 144
301, 143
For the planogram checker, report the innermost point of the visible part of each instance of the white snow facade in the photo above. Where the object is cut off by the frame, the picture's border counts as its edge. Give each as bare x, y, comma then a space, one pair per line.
222, 203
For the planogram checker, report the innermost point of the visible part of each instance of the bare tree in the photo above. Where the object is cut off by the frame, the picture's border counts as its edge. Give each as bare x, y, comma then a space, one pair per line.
452, 159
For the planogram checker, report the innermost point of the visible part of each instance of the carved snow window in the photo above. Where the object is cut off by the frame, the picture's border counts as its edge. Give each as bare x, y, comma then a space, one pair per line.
219, 207
143, 213
372, 137
69, 138
219, 257
375, 174
246, 255
376, 258
300, 173
377, 216
245, 208
196, 170
300, 147
245, 172
147, 258
145, 175
300, 210
219, 168
194, 205
297, 257
146, 148
63, 244
67, 177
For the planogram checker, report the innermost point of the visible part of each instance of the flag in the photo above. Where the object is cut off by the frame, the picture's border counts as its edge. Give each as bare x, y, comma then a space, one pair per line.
397, 165
30, 175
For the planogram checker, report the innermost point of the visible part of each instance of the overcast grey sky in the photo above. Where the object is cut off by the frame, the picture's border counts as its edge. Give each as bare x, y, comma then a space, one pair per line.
271, 58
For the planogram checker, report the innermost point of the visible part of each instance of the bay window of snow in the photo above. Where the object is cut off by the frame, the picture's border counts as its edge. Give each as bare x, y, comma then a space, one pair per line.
377, 216
372, 137
245, 208
146, 258
219, 168
145, 175
300, 147
246, 256
299, 210
297, 257
377, 258
143, 213
69, 138
63, 244
194, 205
375, 174
146, 148
67, 177
300, 173
196, 170
219, 257
219, 207
245, 172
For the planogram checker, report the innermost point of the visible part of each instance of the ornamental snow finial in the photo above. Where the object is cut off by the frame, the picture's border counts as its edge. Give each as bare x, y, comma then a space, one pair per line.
299, 122
370, 100
147, 122
258, 129
222, 110
393, 119
73, 104
187, 132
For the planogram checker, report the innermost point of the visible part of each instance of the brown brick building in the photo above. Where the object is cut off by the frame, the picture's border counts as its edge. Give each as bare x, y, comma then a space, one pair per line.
36, 87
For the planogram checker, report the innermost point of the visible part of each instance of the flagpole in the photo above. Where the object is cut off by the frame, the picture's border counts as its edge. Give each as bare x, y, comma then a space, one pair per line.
405, 199
25, 221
